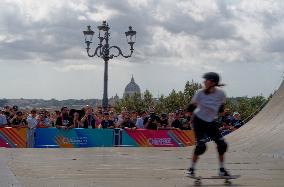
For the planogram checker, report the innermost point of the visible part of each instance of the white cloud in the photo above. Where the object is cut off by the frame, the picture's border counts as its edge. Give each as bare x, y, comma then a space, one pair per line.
76, 67
102, 13
178, 38
199, 10
139, 4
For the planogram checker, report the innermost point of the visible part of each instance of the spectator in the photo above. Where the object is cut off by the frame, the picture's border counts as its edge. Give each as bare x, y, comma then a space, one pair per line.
186, 121
113, 116
32, 119
133, 117
98, 117
224, 122
18, 120
7, 113
64, 121
127, 123
140, 120
76, 122
171, 118
3, 119
89, 120
13, 112
164, 123
42, 121
177, 122
152, 122
44, 116
236, 121
53, 116
107, 121
32, 122
121, 116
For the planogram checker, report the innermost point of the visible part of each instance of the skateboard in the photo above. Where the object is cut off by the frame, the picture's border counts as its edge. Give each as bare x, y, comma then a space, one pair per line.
226, 179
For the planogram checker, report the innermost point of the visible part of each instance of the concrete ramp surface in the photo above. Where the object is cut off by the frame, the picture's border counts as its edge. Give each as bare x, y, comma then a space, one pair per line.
264, 134
256, 152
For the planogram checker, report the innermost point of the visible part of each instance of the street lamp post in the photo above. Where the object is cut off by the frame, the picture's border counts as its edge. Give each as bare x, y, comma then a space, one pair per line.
103, 50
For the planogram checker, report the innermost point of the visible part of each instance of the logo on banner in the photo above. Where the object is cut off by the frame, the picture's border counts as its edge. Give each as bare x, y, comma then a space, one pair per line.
160, 141
75, 140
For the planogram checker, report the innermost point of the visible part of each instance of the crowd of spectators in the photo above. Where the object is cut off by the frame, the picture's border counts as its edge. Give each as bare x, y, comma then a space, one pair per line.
87, 117
90, 118
228, 123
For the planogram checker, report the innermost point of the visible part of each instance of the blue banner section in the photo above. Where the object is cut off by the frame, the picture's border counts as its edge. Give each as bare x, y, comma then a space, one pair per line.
59, 138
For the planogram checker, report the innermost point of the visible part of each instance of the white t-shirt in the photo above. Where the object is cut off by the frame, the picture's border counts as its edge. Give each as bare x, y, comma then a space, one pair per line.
32, 122
208, 105
3, 119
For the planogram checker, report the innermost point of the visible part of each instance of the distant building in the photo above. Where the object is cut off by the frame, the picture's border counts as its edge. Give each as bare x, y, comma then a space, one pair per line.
131, 88
116, 98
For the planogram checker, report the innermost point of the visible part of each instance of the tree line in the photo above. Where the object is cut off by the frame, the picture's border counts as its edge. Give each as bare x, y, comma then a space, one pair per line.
246, 106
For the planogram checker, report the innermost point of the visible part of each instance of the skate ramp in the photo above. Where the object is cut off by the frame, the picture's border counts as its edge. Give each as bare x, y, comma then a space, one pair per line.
264, 134
255, 152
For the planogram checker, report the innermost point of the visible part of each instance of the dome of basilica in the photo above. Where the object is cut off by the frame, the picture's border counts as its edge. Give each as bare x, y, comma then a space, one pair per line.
131, 88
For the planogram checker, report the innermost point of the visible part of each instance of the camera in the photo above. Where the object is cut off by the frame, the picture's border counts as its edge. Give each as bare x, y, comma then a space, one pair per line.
152, 116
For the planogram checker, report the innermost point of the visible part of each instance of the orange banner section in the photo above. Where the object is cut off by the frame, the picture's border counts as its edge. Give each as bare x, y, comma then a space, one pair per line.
162, 138
13, 137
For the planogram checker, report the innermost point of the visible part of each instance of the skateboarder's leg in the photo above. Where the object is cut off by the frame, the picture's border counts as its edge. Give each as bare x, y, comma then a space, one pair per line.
222, 146
200, 148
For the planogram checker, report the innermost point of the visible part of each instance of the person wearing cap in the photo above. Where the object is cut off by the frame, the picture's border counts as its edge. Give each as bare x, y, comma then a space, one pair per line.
164, 121
205, 105
13, 111
18, 120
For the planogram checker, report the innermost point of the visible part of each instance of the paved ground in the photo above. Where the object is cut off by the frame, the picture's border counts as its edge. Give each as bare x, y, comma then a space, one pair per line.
256, 152
139, 167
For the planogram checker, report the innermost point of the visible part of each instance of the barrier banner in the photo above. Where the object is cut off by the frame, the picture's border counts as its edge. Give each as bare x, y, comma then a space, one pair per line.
59, 138
159, 138
13, 137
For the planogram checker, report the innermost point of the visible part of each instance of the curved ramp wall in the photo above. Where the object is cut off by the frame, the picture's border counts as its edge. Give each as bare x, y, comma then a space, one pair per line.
264, 134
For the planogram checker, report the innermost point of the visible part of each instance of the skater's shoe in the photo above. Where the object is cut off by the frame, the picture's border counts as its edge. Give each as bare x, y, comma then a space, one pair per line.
190, 172
224, 173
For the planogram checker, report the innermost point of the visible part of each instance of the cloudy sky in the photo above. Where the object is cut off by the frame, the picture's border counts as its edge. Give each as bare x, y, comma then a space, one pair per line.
42, 50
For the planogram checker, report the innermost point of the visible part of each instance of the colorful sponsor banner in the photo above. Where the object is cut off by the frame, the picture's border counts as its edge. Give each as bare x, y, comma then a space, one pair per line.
13, 137
59, 138
161, 138
52, 137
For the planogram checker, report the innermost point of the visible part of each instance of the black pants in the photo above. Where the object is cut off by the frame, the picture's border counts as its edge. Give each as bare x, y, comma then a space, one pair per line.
206, 131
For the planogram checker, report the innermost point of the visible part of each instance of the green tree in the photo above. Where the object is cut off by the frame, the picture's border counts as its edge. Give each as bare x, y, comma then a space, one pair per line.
190, 89
247, 107
160, 106
172, 101
148, 100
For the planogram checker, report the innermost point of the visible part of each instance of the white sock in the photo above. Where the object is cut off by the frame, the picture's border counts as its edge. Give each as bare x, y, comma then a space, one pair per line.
221, 164
193, 165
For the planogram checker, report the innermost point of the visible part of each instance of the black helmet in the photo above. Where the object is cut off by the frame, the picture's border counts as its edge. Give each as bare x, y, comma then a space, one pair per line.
212, 76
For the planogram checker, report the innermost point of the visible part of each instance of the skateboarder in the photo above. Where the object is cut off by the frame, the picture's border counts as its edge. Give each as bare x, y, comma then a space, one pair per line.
205, 105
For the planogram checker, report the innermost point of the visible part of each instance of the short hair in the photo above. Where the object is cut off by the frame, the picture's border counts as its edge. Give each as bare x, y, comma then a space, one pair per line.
63, 108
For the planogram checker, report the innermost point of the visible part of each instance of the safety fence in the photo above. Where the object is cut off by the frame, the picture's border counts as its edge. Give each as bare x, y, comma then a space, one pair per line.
75, 138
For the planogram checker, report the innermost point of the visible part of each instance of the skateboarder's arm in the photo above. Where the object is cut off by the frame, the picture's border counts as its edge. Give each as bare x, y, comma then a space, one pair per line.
222, 108
191, 107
